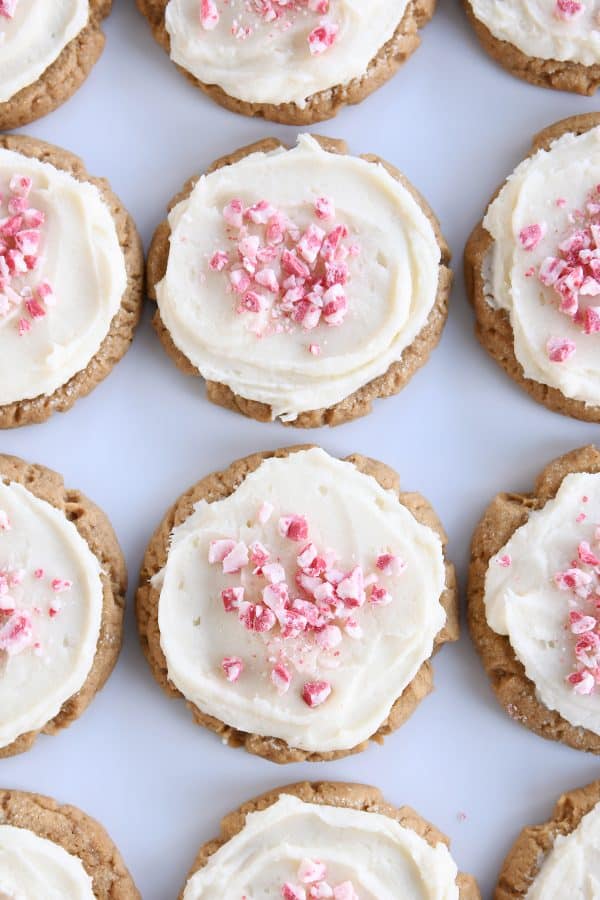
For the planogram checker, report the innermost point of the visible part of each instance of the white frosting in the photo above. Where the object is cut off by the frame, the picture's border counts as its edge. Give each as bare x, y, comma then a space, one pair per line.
81, 257
568, 171
273, 63
391, 289
346, 511
53, 666
572, 867
32, 867
537, 29
382, 859
523, 601
34, 38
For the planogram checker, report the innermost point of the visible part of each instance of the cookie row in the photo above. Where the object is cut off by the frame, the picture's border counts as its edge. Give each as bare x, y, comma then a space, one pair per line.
301, 283
342, 841
291, 61
294, 601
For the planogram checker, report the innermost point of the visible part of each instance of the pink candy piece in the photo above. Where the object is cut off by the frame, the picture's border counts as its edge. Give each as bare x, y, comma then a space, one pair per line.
322, 37
265, 511
232, 597
378, 596
292, 892
314, 693
351, 588
7, 8
324, 208
236, 559
293, 527
60, 585
281, 678
568, 9
209, 15
234, 213
310, 871
345, 891
531, 235
218, 261
218, 550
257, 618
582, 682
16, 634
233, 667
560, 349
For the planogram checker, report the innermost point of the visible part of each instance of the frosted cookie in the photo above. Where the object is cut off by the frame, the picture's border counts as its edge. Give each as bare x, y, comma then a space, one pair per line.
559, 858
300, 283
71, 278
62, 595
552, 43
57, 852
534, 600
294, 600
291, 61
327, 840
533, 270
47, 50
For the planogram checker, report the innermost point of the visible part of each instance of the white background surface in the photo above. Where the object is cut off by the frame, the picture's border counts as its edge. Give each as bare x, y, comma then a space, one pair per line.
456, 124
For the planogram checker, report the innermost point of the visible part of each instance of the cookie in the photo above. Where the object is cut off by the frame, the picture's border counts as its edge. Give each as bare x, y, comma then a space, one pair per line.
295, 63
363, 842
550, 43
533, 271
53, 851
48, 50
71, 280
62, 596
533, 600
278, 601
557, 858
274, 285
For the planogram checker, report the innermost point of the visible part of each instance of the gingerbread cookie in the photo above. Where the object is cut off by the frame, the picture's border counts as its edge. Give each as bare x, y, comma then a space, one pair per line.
533, 270
534, 600
365, 847
559, 858
296, 62
278, 598
300, 283
48, 50
62, 596
71, 280
551, 43
57, 852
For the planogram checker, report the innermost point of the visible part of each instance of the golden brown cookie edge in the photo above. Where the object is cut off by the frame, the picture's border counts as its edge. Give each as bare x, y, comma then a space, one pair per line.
78, 834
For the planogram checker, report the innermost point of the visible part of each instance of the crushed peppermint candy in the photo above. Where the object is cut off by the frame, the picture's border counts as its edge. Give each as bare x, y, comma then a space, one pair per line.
567, 10
8, 8
21, 234
313, 884
286, 276
17, 622
573, 273
268, 17
304, 615
581, 582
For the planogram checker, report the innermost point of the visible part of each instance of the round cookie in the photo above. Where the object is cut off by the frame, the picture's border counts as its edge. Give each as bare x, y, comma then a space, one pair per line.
72, 41
539, 649
62, 596
550, 43
366, 808
73, 323
544, 331
537, 866
306, 41
292, 663
68, 853
281, 355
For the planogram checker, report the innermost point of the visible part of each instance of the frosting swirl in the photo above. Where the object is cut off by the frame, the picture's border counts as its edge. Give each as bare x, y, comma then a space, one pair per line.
572, 867
32, 866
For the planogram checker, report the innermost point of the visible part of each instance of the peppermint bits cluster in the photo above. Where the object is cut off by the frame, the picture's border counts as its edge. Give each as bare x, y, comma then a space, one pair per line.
251, 16
284, 275
313, 884
21, 233
567, 10
301, 611
573, 273
581, 582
